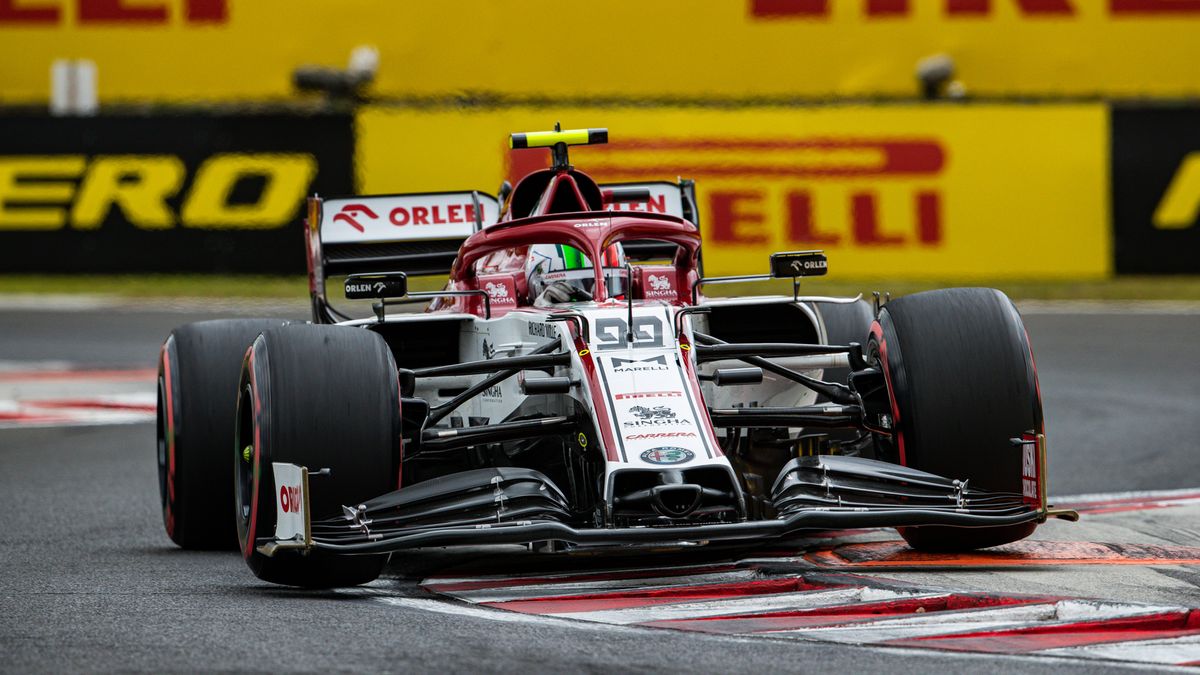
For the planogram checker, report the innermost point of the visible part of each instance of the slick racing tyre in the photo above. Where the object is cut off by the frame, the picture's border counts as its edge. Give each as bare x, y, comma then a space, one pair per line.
963, 383
198, 369
320, 397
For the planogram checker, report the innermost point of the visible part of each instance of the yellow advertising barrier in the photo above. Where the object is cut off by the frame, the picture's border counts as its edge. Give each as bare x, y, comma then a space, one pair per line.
176, 50
906, 192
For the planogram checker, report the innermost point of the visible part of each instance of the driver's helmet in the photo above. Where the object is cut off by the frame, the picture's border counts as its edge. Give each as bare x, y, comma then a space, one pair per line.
569, 271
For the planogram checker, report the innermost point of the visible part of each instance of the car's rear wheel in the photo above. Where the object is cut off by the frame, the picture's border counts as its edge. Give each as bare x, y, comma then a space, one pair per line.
198, 369
321, 397
963, 382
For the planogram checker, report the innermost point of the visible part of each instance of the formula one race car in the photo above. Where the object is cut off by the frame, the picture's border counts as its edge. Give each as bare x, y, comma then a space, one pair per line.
572, 388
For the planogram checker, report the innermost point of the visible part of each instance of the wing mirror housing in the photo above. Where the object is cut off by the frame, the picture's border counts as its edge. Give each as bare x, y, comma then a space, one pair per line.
380, 285
792, 264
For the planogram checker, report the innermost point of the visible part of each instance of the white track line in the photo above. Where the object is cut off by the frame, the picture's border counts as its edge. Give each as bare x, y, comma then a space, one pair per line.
566, 577
740, 604
948, 624
1117, 496
549, 591
1170, 651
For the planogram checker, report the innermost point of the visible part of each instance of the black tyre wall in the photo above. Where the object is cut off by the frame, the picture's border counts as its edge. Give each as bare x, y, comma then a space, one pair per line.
844, 323
964, 383
319, 397
198, 372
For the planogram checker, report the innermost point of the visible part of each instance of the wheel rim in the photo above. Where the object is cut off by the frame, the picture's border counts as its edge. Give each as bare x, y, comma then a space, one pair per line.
243, 446
163, 441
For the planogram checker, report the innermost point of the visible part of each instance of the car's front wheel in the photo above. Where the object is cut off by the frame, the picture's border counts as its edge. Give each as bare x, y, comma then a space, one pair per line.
321, 397
963, 384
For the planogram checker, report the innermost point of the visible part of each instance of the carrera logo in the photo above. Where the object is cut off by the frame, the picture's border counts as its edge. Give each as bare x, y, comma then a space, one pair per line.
892, 10
649, 394
49, 192
290, 500
661, 434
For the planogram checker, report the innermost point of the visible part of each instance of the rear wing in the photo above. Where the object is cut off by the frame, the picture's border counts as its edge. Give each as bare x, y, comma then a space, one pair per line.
673, 199
418, 234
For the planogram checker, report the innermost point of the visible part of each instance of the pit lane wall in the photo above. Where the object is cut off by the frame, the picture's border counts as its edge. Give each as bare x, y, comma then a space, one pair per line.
173, 51
907, 191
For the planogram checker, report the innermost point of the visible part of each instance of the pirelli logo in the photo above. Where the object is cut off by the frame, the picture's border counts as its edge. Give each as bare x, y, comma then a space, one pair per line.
817, 192
969, 9
153, 192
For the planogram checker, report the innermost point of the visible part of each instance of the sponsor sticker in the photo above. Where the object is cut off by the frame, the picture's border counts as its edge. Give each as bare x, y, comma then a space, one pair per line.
654, 363
661, 434
289, 505
1029, 476
499, 292
649, 394
668, 455
658, 286
659, 415
545, 330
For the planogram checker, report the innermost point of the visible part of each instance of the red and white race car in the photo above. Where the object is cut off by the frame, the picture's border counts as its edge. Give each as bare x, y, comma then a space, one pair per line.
573, 387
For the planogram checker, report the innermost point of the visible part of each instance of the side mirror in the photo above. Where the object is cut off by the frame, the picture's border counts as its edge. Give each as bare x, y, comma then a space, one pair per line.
368, 286
792, 264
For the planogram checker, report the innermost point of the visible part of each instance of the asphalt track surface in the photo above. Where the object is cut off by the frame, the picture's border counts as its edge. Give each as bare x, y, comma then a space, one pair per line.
89, 581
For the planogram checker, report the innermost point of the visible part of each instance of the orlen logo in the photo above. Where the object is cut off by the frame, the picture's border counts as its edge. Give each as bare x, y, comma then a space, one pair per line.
434, 215
350, 214
967, 9
289, 499
802, 192
48, 192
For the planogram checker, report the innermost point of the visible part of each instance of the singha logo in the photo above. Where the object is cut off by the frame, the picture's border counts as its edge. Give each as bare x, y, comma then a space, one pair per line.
658, 282
657, 412
497, 292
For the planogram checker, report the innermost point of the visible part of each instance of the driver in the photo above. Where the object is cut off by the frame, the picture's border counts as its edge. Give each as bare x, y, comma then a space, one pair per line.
560, 273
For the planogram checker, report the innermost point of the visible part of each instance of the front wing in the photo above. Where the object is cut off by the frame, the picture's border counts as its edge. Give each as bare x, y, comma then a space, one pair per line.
521, 506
